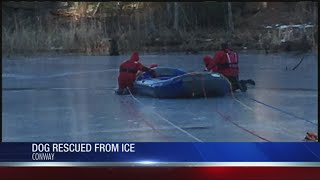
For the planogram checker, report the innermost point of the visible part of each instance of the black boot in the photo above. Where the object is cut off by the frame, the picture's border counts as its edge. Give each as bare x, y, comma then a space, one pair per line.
122, 92
242, 86
119, 91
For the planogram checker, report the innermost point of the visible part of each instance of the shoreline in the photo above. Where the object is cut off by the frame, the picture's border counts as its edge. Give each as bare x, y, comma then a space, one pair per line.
143, 53
183, 48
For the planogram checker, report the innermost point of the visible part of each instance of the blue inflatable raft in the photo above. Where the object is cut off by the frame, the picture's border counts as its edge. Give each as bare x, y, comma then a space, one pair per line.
175, 83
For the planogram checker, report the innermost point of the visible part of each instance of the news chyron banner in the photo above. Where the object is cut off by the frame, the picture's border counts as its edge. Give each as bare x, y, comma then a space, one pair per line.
160, 153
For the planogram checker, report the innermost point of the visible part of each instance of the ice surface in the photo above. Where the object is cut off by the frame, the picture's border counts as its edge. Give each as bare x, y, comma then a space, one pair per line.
71, 98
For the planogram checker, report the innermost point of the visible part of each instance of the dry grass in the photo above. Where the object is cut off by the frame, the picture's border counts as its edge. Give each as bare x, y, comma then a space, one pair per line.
70, 37
91, 38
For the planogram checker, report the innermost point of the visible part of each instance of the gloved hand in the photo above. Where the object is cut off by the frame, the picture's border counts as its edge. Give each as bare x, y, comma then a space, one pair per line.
153, 66
153, 73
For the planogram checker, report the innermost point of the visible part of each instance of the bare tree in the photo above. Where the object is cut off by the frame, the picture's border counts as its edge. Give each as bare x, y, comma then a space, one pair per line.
169, 14
152, 27
315, 13
230, 21
315, 21
264, 4
137, 18
96, 8
176, 16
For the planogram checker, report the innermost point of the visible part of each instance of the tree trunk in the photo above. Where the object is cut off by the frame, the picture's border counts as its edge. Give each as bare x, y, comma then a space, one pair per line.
176, 17
96, 9
230, 21
169, 14
315, 21
152, 27
264, 5
315, 13
185, 19
61, 4
228, 17
138, 33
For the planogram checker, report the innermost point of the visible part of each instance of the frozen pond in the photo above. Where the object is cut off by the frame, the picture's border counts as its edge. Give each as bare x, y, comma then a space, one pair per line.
71, 98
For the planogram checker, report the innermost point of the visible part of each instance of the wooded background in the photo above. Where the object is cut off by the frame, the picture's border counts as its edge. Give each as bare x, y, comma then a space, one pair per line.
149, 26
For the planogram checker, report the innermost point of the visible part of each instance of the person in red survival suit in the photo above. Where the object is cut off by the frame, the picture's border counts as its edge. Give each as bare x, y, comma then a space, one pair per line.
225, 62
128, 71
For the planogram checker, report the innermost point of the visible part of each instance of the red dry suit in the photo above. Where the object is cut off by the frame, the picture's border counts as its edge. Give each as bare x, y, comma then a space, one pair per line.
207, 62
128, 71
225, 62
